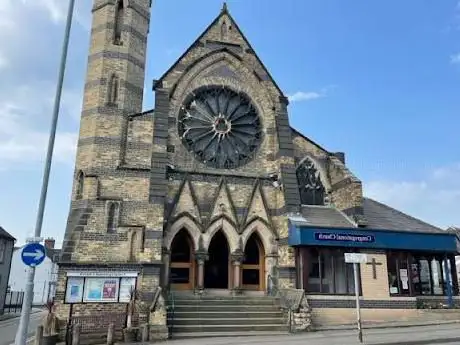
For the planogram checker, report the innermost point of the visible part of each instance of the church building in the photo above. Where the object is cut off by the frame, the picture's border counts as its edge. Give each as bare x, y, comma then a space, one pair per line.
212, 192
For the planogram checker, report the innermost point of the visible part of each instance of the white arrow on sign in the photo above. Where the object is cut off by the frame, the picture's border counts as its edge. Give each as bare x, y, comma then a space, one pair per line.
37, 255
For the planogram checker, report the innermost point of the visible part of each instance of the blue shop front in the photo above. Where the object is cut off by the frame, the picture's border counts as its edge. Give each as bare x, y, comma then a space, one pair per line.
403, 263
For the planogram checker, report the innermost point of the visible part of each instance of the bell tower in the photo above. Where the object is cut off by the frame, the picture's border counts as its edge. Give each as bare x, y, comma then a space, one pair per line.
114, 81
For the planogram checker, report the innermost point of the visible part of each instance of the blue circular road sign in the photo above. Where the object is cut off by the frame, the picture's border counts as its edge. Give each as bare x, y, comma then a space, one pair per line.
33, 254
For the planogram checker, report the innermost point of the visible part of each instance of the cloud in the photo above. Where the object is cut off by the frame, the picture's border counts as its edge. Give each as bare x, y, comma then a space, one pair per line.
455, 59
25, 118
301, 96
434, 198
27, 90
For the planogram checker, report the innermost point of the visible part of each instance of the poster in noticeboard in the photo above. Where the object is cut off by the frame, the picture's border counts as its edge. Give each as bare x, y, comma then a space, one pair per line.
101, 290
74, 291
126, 286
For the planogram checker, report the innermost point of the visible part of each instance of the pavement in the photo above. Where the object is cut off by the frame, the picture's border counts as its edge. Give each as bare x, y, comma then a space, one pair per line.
8, 327
448, 334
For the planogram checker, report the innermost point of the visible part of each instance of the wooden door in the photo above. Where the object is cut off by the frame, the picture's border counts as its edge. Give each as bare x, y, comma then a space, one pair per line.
253, 268
182, 265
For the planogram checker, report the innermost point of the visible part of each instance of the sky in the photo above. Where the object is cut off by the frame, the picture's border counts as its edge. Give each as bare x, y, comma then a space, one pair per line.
379, 80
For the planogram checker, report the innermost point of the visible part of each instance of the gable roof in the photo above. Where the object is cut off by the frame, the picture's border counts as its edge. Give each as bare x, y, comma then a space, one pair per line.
6, 235
223, 12
383, 217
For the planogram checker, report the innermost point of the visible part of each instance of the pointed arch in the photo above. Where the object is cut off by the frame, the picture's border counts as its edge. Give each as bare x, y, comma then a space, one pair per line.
112, 217
80, 185
265, 233
113, 89
120, 6
223, 30
310, 179
186, 223
135, 244
227, 228
195, 77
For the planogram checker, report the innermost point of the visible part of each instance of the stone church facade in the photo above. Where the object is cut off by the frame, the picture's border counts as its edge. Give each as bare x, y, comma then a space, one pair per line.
213, 189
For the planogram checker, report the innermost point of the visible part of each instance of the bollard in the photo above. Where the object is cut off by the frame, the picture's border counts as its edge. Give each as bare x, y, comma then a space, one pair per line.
145, 333
39, 335
110, 334
76, 335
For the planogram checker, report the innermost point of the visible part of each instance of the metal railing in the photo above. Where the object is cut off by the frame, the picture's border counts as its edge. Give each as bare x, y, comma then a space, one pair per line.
273, 290
13, 301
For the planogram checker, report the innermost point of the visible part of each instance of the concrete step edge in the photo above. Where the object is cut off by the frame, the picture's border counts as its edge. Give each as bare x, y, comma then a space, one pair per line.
196, 335
234, 326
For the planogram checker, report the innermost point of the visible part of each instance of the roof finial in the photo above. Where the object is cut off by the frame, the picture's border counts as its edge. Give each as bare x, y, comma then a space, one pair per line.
224, 7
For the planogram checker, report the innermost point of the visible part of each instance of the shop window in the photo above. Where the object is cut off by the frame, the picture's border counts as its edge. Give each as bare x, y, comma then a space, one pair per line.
328, 273
399, 274
412, 275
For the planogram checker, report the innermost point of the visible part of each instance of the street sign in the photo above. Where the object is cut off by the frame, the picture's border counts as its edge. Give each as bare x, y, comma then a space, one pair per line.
355, 258
33, 254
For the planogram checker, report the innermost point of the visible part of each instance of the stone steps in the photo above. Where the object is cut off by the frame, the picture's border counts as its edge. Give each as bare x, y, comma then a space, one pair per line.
223, 316
225, 334
199, 320
235, 314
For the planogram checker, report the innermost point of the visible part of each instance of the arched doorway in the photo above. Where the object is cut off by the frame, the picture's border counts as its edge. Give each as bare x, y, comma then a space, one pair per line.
216, 268
253, 267
182, 267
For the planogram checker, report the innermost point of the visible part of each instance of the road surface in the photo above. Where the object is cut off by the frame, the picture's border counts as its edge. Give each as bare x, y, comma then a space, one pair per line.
421, 335
8, 327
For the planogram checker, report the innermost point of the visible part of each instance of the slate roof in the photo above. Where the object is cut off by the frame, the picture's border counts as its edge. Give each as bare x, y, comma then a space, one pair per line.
5, 234
383, 217
325, 216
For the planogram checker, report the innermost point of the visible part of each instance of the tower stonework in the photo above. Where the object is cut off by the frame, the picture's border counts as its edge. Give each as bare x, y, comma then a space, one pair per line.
113, 232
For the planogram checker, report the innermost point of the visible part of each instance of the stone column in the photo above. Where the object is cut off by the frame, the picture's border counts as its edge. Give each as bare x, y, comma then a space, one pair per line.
201, 258
237, 259
166, 263
271, 264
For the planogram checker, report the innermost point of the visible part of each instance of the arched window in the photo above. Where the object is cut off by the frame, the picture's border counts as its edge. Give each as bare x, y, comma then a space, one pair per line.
223, 31
114, 84
112, 218
310, 186
80, 185
119, 18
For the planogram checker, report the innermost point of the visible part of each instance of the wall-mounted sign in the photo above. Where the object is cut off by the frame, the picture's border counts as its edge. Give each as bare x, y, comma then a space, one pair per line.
328, 236
74, 291
355, 258
101, 286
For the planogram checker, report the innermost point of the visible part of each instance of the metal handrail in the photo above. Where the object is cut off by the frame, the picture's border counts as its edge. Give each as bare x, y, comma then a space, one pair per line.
273, 290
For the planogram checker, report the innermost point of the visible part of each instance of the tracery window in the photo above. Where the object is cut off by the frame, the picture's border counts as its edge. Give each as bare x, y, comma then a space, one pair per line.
311, 187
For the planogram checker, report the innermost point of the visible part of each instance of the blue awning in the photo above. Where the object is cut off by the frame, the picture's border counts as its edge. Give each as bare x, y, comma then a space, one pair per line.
301, 234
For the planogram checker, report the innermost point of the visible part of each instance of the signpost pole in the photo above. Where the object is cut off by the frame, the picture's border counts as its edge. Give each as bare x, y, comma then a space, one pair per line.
356, 259
22, 331
358, 311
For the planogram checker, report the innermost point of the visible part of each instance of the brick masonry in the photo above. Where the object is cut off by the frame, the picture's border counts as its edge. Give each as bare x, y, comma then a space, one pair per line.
137, 162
